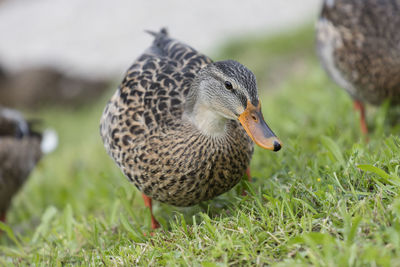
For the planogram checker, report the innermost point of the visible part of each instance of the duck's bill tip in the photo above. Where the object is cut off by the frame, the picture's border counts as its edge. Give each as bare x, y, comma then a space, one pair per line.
258, 130
272, 143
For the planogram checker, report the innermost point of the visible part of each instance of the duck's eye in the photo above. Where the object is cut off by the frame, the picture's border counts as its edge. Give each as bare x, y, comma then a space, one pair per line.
228, 85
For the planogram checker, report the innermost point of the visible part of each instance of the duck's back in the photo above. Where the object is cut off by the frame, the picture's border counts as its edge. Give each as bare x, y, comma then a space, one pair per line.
152, 93
151, 96
358, 42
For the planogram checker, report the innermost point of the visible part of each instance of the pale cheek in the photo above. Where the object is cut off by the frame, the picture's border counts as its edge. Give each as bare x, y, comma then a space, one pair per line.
239, 110
233, 108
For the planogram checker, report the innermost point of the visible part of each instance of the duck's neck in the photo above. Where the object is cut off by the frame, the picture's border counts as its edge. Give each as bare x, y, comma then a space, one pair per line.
198, 113
207, 121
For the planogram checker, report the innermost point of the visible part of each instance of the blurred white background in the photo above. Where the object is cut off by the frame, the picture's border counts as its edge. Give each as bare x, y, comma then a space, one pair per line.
101, 38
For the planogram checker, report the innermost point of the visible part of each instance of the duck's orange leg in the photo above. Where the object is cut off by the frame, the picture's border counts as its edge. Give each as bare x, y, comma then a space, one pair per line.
358, 105
248, 179
147, 203
248, 174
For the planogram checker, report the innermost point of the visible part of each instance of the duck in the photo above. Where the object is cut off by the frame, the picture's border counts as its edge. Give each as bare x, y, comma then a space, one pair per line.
21, 148
182, 127
358, 43
36, 86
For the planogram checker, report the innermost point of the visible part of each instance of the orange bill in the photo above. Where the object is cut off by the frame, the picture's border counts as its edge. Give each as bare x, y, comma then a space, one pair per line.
255, 126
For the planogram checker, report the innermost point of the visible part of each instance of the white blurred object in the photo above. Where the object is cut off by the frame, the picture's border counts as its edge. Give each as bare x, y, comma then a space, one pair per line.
49, 141
102, 38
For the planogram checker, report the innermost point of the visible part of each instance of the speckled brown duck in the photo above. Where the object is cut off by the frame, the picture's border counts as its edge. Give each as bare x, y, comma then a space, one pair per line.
358, 42
20, 150
177, 124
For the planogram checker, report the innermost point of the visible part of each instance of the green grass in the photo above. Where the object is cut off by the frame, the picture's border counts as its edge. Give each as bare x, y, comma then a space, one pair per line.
327, 198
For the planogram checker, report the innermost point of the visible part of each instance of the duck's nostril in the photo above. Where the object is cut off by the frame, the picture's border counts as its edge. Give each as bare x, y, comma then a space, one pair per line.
277, 146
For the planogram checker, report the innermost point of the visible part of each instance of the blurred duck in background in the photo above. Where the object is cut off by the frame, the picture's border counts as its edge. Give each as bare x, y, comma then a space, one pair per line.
358, 43
39, 86
20, 150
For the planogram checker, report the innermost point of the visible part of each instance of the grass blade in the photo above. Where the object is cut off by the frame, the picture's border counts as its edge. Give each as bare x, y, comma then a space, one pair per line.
7, 229
45, 224
333, 148
381, 173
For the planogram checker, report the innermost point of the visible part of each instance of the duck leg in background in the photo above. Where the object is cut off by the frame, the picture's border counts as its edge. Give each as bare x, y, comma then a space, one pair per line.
3, 217
147, 202
358, 105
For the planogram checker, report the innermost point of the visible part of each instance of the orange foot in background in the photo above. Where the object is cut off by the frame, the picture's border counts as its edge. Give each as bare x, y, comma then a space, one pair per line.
147, 203
358, 105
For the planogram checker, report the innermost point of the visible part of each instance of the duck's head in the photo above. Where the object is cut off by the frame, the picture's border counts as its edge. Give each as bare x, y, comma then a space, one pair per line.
228, 90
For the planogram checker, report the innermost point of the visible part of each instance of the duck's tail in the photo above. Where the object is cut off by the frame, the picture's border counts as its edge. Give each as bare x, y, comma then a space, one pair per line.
160, 43
162, 33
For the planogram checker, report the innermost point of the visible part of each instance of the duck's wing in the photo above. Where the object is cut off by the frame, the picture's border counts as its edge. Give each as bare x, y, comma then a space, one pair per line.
160, 79
155, 86
151, 97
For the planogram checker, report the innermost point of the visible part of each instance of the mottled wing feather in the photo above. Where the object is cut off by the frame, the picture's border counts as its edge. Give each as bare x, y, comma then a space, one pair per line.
151, 96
